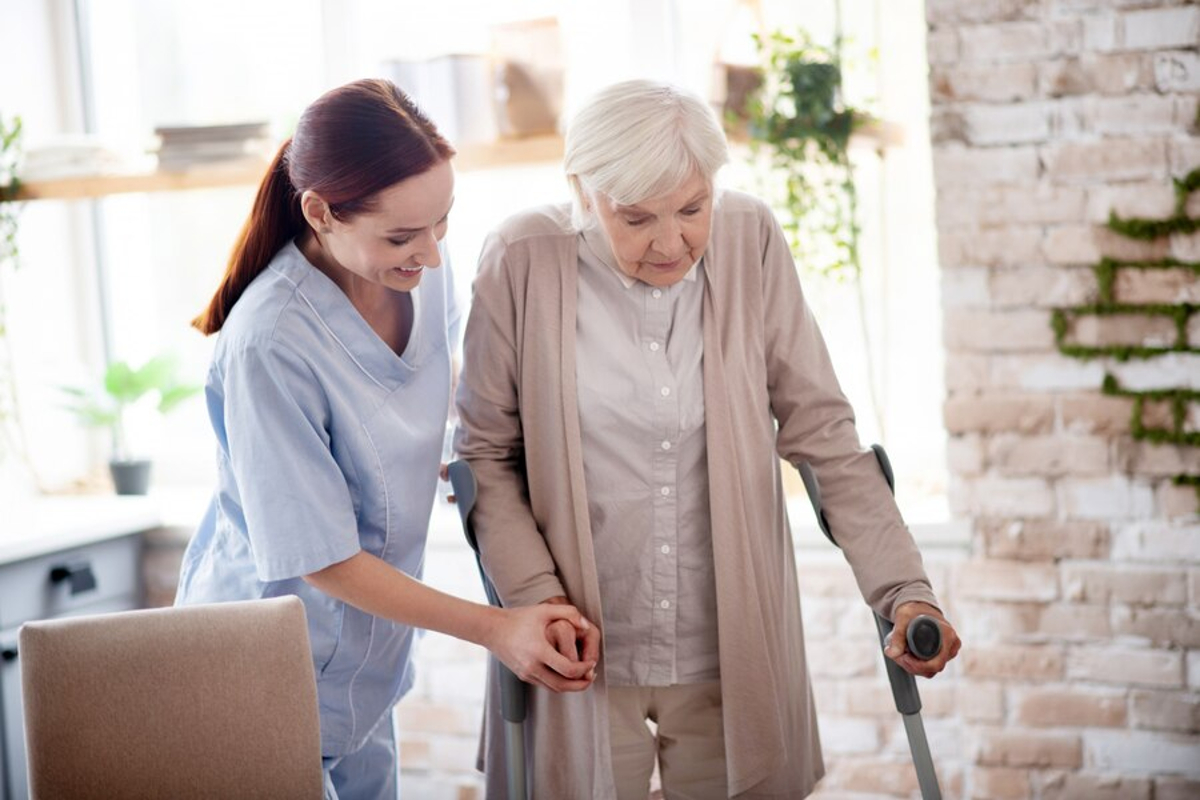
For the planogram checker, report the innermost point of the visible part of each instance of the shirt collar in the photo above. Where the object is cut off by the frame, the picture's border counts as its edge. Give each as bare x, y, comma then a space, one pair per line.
597, 243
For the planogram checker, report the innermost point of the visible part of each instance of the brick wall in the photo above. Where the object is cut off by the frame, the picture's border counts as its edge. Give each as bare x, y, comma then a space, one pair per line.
1080, 604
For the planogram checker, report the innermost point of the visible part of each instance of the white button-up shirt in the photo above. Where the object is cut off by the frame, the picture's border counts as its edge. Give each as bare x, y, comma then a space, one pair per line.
639, 367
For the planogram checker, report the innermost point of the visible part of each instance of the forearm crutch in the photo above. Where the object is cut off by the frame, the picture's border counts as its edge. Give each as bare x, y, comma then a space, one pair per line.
512, 689
924, 642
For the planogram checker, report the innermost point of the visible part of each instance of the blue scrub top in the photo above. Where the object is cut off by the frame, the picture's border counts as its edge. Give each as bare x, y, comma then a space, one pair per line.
328, 443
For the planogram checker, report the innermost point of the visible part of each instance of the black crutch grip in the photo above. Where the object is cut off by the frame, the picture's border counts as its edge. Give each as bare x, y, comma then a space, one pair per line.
924, 637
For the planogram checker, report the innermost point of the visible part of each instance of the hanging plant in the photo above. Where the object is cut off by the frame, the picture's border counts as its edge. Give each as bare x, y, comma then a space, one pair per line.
798, 117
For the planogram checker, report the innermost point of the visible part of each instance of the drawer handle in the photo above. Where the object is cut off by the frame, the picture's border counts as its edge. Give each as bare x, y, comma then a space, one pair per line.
8, 654
80, 576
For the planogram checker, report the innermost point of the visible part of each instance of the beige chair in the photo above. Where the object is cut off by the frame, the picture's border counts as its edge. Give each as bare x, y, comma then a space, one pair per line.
215, 701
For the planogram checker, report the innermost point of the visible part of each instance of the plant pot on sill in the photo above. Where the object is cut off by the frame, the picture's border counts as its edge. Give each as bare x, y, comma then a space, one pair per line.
130, 477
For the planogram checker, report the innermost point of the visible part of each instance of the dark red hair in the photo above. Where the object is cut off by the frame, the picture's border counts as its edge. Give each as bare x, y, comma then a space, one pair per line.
349, 145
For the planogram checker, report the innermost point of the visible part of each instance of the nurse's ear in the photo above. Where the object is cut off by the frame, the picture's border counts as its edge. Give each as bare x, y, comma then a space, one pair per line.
316, 211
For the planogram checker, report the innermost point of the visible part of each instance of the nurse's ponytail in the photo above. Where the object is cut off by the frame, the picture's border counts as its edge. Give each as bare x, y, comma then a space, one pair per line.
349, 145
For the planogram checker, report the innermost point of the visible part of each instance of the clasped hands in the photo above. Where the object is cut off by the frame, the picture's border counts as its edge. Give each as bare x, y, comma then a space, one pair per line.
550, 644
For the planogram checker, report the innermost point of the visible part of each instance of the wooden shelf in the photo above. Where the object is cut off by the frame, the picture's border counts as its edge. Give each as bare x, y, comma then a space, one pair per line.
505, 153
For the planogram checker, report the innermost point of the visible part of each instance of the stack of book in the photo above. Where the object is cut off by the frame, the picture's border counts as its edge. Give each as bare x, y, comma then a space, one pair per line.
185, 146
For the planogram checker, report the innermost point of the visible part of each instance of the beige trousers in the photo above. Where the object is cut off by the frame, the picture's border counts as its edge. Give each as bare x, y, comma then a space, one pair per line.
688, 744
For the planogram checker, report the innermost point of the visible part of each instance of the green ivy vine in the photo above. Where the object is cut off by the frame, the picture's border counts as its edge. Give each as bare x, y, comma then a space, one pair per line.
1107, 304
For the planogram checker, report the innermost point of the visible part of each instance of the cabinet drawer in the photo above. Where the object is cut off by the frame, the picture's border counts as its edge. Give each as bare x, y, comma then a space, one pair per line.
68, 581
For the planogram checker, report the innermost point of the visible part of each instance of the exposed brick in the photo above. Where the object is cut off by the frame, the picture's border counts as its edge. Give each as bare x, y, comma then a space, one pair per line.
1160, 627
1110, 160
1129, 116
1096, 413
1096, 73
1159, 460
1010, 497
1039, 540
993, 413
1013, 747
1172, 371
1144, 586
1177, 502
1147, 199
1041, 287
1021, 123
1105, 498
1177, 71
980, 701
989, 83
1007, 42
966, 373
1013, 662
1166, 711
1006, 580
1167, 286
1159, 29
963, 166
1141, 752
423, 714
965, 287
965, 454
1044, 373
1158, 414
1081, 786
998, 331
978, 10
1052, 455
1087, 244
1122, 329
1101, 32
1000, 783
1009, 205
1193, 669
1193, 331
1156, 541
843, 735
1062, 706
873, 775
1122, 665
1183, 154
841, 659
986, 621
1074, 622
1013, 246
1185, 247
941, 45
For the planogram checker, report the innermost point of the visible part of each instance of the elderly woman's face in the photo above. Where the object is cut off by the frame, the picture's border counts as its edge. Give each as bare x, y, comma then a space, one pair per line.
658, 240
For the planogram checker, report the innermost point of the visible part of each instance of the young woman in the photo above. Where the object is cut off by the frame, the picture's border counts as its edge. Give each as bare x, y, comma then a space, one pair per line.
328, 393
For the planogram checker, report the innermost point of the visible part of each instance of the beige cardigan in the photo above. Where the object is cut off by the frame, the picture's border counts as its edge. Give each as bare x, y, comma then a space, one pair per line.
765, 363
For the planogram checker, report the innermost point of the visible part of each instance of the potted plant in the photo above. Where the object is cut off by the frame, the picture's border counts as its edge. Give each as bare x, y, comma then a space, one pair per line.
108, 406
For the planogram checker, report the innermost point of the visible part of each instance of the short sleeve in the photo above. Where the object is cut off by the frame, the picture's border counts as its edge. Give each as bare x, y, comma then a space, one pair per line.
273, 422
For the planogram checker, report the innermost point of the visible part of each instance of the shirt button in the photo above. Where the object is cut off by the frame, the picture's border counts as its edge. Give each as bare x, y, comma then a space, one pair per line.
666, 548
664, 491
654, 347
666, 445
657, 293
665, 604
665, 391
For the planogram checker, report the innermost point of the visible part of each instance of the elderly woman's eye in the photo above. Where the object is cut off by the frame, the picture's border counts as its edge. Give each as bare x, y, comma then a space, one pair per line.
692, 211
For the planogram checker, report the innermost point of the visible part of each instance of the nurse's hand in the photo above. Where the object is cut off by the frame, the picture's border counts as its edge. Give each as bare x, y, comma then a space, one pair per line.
520, 641
575, 645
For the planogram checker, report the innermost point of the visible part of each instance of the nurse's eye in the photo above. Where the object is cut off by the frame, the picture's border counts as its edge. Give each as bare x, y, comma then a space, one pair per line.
400, 241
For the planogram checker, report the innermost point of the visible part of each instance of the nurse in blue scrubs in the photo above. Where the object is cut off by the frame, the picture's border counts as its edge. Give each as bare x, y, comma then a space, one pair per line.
328, 393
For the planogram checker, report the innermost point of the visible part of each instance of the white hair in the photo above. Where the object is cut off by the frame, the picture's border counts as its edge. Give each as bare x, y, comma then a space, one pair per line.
640, 139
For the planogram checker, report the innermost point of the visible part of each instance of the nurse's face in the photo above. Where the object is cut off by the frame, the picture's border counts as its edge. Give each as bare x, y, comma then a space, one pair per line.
659, 239
397, 240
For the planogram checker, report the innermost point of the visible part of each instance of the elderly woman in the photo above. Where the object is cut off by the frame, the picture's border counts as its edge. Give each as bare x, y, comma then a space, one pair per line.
634, 367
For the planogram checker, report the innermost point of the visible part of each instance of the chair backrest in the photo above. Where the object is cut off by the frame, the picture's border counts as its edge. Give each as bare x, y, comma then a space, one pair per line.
191, 702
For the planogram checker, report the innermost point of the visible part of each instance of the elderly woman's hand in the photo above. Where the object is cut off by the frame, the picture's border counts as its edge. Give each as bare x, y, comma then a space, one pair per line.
572, 643
897, 646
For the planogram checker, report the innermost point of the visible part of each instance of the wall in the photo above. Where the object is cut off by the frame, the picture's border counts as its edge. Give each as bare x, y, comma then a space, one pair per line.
1081, 605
